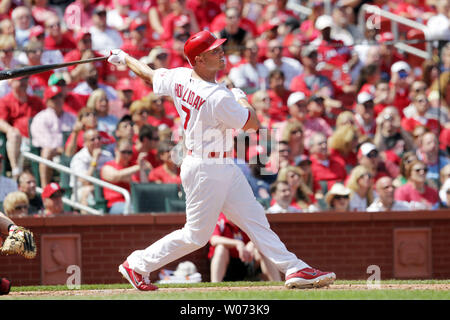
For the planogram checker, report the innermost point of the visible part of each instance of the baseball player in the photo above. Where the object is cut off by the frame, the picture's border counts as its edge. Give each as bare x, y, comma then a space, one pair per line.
211, 180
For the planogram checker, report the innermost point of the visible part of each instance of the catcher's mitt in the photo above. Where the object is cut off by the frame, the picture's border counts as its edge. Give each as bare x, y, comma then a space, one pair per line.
19, 241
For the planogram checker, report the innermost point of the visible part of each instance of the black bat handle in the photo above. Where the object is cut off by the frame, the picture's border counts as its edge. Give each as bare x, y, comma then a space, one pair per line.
30, 70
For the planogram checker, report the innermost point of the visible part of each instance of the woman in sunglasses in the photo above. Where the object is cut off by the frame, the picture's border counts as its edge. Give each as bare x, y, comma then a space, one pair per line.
16, 204
338, 198
416, 188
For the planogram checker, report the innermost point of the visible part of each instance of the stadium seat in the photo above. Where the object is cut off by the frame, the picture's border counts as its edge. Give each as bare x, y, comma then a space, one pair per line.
150, 197
264, 202
64, 181
175, 205
100, 202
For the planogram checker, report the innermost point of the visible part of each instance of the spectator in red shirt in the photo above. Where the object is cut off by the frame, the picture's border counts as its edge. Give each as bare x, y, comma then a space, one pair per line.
52, 197
125, 92
414, 10
388, 53
420, 117
311, 82
205, 11
55, 38
157, 113
156, 13
381, 96
400, 82
137, 44
333, 53
83, 50
73, 102
364, 114
175, 47
369, 157
343, 144
316, 121
307, 26
147, 142
325, 167
36, 82
278, 95
16, 109
416, 189
219, 21
121, 172
168, 172
369, 76
234, 257
178, 20
42, 11
157, 58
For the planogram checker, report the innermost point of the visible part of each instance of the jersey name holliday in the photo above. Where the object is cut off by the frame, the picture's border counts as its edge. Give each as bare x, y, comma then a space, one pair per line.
189, 96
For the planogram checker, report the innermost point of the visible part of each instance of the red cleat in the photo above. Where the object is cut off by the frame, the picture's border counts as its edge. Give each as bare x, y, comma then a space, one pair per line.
309, 278
138, 281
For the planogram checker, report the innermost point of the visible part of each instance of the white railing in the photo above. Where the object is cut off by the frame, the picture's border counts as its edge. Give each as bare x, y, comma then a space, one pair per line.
298, 8
377, 13
76, 175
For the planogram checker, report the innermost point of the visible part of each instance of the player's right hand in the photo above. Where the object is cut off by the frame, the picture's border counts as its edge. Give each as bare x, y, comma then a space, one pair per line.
117, 57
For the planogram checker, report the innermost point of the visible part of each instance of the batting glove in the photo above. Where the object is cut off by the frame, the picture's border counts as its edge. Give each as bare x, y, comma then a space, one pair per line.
117, 57
238, 94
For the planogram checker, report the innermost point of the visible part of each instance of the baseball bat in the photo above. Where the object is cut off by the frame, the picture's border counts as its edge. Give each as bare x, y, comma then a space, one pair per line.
30, 70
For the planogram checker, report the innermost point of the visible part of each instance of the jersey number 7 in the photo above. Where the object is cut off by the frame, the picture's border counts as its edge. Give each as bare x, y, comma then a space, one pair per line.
188, 116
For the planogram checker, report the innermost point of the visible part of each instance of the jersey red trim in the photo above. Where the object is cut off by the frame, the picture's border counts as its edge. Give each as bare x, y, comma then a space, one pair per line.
248, 118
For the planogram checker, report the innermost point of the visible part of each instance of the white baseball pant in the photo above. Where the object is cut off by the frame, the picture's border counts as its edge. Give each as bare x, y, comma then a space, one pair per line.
210, 189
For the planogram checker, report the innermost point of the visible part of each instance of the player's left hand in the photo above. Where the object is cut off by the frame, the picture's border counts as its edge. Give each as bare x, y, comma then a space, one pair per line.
19, 241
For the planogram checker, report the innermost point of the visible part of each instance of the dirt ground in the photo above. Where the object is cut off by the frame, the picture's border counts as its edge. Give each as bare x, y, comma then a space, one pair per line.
443, 287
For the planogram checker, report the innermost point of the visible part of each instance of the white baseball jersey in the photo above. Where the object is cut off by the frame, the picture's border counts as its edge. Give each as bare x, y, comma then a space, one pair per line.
206, 109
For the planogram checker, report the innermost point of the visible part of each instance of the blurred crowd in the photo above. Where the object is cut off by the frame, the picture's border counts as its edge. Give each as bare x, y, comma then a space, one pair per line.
350, 121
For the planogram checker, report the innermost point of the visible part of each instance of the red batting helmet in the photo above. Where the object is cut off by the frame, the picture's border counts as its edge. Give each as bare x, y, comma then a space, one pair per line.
200, 42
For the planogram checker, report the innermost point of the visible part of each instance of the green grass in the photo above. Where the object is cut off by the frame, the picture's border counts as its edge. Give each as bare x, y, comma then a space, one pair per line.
249, 294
